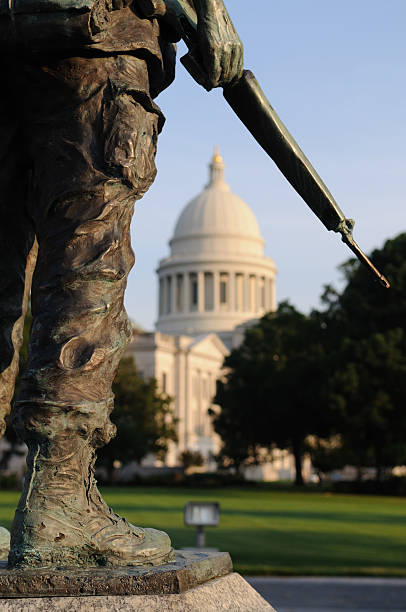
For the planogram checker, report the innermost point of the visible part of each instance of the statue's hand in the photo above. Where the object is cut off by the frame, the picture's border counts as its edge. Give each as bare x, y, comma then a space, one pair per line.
152, 8
219, 49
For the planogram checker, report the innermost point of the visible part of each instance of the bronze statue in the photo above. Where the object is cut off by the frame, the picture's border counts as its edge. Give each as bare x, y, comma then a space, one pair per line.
79, 131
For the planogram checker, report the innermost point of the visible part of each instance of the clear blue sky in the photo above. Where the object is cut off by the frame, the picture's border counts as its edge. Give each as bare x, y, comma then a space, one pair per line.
335, 73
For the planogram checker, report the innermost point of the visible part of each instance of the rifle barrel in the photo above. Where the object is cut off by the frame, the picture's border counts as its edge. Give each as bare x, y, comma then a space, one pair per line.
250, 104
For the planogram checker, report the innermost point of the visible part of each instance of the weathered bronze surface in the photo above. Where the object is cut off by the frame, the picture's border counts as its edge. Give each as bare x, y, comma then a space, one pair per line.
188, 570
78, 137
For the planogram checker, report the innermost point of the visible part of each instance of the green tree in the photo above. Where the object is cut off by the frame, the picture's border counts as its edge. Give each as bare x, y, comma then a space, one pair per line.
370, 390
191, 458
273, 391
328, 454
364, 307
368, 377
143, 417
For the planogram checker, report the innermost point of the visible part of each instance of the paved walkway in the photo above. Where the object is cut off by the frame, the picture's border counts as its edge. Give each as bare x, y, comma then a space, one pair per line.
332, 594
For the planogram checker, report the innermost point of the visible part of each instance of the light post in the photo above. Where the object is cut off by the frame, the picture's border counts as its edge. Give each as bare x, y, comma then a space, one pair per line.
201, 515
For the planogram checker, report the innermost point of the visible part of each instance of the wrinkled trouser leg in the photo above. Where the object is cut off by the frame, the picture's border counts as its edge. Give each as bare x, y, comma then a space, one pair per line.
95, 148
17, 249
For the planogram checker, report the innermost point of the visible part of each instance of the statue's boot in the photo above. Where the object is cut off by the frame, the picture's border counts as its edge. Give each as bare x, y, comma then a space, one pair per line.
61, 519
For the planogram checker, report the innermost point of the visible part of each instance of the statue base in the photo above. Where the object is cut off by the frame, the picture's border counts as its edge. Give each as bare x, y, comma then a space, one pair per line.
193, 581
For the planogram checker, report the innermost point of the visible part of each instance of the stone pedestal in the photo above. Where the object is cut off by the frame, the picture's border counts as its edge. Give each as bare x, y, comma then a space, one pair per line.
230, 593
194, 582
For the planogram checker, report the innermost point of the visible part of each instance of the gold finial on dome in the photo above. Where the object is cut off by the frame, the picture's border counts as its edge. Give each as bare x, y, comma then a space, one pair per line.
217, 157
216, 168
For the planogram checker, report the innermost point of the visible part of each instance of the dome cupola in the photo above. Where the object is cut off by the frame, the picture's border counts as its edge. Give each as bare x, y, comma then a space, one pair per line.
217, 220
216, 276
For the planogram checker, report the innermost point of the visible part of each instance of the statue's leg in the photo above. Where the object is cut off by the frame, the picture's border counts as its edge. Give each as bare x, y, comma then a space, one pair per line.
17, 252
94, 159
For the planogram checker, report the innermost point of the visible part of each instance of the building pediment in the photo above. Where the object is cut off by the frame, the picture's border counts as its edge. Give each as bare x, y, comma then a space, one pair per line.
208, 344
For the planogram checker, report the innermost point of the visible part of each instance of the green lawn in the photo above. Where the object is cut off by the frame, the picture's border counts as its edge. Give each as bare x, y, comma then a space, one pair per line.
274, 532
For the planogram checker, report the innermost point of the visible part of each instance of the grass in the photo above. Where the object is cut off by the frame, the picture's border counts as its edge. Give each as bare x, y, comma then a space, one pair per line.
276, 532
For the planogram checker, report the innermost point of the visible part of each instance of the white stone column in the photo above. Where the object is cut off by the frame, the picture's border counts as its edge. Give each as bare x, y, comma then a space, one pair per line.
186, 292
241, 292
164, 297
256, 294
245, 289
180, 294
169, 294
231, 291
187, 405
267, 294
216, 291
173, 294
252, 290
197, 424
200, 292
261, 293
208, 292
251, 284
160, 297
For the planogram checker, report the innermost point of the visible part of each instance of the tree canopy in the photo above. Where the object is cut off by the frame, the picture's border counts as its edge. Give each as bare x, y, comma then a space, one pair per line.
368, 382
366, 307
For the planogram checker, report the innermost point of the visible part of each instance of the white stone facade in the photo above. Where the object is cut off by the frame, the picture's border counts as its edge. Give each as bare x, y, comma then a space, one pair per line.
187, 369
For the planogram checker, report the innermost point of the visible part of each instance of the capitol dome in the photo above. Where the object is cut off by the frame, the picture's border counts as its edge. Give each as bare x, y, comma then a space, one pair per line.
217, 220
216, 276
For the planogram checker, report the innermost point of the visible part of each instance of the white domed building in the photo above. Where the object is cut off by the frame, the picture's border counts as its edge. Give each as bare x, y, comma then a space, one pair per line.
216, 276
215, 282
